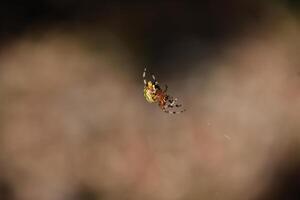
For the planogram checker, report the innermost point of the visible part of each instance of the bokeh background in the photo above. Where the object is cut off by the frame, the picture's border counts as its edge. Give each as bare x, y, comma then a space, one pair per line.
74, 124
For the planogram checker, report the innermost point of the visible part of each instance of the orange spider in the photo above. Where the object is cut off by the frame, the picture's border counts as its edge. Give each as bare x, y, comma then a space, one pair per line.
154, 94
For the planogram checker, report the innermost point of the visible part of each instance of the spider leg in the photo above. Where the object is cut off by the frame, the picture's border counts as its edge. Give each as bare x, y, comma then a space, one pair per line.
154, 80
144, 76
173, 112
176, 105
171, 104
172, 101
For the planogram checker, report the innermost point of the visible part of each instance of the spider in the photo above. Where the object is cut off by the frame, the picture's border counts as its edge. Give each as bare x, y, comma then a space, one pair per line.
154, 94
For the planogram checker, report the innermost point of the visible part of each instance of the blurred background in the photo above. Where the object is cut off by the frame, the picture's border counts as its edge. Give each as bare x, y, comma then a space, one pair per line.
74, 124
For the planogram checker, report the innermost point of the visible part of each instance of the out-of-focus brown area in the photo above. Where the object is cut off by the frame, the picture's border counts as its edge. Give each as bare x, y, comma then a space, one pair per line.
75, 125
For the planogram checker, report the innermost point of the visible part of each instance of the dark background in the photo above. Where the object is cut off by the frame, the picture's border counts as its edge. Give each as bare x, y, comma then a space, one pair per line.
146, 27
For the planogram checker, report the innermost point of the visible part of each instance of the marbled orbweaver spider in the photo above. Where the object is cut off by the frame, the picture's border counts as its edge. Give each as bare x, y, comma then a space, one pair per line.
154, 94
